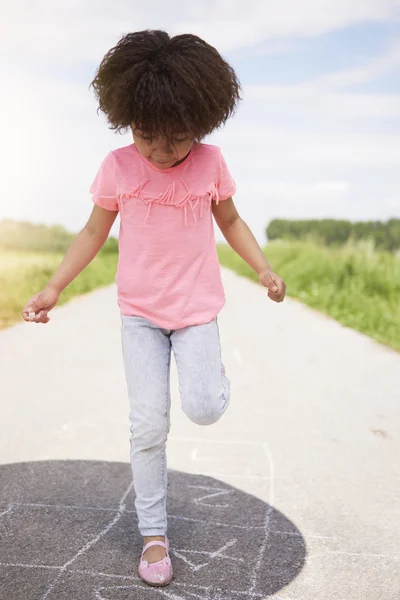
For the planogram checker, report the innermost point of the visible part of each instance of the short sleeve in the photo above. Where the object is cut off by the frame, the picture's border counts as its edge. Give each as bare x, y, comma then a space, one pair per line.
104, 186
226, 185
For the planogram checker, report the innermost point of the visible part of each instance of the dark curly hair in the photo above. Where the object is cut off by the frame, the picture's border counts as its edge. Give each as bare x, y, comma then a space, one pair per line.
166, 85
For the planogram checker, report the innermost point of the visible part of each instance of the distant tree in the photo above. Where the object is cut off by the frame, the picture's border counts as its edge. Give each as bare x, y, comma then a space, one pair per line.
386, 236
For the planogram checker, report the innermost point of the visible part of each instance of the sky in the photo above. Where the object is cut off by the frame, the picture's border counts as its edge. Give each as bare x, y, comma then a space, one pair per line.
316, 135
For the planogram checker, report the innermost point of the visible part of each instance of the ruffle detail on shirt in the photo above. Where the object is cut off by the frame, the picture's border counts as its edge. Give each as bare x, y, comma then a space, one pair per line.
170, 198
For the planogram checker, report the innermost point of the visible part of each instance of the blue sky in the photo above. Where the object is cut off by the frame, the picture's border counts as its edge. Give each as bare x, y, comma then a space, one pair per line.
305, 59
316, 135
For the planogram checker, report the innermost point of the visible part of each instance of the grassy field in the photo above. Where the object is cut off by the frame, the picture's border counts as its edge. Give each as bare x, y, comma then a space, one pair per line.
23, 274
354, 284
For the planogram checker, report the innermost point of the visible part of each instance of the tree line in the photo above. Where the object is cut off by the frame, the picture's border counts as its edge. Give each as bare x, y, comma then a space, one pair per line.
334, 232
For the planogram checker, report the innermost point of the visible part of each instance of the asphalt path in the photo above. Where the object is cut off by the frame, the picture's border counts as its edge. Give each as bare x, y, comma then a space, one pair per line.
292, 495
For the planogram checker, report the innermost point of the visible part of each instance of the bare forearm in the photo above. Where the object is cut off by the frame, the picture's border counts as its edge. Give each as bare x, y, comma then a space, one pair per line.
80, 253
242, 241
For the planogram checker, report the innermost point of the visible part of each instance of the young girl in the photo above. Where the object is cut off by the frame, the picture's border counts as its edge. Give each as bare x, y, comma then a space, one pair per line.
166, 186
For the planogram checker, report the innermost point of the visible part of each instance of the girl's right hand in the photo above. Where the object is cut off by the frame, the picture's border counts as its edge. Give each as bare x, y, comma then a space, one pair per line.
40, 304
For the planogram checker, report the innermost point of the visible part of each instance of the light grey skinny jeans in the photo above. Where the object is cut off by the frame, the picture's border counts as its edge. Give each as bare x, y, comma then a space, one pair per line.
204, 390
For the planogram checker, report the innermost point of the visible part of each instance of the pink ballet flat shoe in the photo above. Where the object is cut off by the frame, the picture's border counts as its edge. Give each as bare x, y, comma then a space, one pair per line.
158, 573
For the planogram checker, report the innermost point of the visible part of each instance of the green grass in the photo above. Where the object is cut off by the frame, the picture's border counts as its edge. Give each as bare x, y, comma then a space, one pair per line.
354, 284
24, 273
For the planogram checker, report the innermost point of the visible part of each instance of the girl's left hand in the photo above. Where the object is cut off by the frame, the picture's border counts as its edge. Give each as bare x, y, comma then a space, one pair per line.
275, 284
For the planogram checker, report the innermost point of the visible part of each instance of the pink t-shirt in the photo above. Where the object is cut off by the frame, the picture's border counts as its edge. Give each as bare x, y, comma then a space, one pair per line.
168, 269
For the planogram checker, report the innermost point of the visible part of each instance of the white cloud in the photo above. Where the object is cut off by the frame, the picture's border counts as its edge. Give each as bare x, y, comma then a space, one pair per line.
80, 31
394, 202
314, 126
372, 69
318, 190
269, 148
248, 23
313, 98
324, 96
331, 187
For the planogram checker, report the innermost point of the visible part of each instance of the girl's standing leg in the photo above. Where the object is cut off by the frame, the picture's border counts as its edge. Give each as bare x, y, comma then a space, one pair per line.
147, 355
203, 385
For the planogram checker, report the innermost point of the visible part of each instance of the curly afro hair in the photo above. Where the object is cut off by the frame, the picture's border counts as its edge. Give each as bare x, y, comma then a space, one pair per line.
166, 85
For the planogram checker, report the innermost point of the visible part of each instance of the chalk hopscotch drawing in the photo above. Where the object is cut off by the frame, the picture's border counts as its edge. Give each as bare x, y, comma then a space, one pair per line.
211, 555
217, 492
218, 556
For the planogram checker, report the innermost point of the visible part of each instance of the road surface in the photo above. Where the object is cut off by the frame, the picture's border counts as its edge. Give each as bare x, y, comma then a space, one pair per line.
292, 495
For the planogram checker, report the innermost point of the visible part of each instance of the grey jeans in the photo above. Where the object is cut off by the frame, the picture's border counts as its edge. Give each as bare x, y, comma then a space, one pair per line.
204, 391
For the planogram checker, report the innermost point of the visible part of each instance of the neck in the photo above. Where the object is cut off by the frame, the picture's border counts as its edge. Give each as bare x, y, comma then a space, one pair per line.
182, 159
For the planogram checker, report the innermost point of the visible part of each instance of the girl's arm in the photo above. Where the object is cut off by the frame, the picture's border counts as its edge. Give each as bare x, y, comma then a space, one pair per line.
84, 248
80, 253
242, 241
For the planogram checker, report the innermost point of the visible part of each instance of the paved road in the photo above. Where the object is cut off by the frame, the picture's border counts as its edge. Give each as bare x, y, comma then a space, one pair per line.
292, 495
